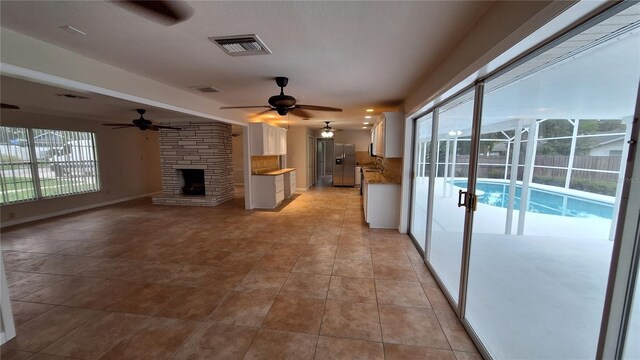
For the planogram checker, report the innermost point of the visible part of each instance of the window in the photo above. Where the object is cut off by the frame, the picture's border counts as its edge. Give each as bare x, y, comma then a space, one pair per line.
41, 163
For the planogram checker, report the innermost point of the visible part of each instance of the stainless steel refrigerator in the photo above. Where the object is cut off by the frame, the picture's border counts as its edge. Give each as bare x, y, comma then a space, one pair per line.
344, 166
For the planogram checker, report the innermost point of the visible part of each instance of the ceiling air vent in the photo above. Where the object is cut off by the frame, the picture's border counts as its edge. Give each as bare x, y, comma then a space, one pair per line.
206, 89
73, 96
241, 45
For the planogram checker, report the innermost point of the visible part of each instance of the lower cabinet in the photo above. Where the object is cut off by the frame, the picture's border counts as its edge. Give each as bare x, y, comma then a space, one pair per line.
289, 184
267, 190
381, 205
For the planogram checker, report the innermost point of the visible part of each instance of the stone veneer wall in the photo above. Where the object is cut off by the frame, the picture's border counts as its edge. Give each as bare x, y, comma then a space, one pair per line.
204, 146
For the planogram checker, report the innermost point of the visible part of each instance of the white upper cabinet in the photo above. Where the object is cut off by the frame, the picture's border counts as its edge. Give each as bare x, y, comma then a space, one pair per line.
386, 135
267, 140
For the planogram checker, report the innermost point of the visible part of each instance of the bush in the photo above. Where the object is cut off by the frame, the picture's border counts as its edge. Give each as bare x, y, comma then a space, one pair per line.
495, 174
548, 180
602, 187
594, 186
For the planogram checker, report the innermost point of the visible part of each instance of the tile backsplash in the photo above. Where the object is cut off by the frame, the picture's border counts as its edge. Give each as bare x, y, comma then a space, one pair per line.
363, 158
262, 163
392, 169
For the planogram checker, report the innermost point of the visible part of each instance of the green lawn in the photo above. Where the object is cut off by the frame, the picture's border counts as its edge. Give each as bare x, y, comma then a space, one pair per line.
22, 188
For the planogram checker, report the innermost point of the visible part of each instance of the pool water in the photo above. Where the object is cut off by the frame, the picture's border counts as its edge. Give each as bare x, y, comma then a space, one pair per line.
542, 201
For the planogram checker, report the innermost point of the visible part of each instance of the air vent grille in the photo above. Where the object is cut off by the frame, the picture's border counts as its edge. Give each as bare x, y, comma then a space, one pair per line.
73, 96
241, 45
206, 89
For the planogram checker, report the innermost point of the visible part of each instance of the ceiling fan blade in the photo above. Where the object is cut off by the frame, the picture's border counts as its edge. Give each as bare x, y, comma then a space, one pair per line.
165, 12
123, 125
152, 127
9, 106
317, 108
166, 127
301, 113
263, 112
245, 107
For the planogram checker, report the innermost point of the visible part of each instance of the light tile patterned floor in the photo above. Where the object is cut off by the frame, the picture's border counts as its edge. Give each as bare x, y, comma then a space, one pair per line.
310, 280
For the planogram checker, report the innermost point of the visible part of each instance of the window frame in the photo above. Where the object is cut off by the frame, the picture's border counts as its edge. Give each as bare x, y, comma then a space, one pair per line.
36, 165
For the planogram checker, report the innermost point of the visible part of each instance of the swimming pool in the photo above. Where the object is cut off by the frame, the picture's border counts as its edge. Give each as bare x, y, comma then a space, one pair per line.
541, 201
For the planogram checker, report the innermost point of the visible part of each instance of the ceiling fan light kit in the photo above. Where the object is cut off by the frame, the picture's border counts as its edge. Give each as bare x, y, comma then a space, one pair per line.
327, 131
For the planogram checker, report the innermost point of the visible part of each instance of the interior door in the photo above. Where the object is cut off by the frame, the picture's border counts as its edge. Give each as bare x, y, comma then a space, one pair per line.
311, 155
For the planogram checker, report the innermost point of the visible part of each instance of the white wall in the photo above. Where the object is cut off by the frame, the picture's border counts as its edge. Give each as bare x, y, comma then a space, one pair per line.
128, 159
297, 157
237, 152
361, 138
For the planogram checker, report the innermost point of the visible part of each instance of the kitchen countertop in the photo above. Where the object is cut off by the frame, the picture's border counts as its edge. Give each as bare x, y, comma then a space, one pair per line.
375, 177
276, 172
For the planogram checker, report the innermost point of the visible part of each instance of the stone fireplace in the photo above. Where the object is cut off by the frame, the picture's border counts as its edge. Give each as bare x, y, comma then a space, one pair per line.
196, 164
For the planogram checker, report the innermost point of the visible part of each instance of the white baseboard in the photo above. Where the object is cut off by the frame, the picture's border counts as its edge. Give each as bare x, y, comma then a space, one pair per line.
302, 189
76, 209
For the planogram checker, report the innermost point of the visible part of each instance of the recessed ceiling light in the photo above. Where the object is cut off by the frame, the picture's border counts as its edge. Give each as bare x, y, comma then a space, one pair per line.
369, 110
366, 123
72, 30
364, 127
368, 117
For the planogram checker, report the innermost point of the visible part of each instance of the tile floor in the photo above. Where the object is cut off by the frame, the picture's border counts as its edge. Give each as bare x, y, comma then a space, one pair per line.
310, 280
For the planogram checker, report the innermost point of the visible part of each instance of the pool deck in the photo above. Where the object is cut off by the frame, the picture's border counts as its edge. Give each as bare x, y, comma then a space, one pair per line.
553, 277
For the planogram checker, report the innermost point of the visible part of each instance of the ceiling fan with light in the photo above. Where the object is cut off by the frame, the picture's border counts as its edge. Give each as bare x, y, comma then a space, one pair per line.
327, 131
285, 104
142, 124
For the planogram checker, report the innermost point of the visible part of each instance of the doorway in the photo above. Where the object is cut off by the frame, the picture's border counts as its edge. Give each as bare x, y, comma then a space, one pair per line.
324, 161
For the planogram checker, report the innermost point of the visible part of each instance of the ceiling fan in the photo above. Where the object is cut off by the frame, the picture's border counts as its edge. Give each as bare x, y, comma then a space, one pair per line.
285, 104
327, 131
142, 124
163, 11
9, 106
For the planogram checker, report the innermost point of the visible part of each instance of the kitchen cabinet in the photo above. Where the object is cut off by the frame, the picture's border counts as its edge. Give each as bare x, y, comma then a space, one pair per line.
267, 190
381, 204
289, 184
387, 135
267, 140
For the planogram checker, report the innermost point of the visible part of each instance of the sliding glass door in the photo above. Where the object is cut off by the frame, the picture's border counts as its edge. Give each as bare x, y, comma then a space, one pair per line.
421, 176
454, 123
528, 269
543, 229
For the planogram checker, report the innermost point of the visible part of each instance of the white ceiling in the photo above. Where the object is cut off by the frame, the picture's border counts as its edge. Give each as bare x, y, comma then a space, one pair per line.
352, 55
43, 99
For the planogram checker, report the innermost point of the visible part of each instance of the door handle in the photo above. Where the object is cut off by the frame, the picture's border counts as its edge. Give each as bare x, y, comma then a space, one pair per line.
462, 195
470, 200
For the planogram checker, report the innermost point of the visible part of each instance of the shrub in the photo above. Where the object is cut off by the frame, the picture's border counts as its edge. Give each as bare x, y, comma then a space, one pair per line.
594, 186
